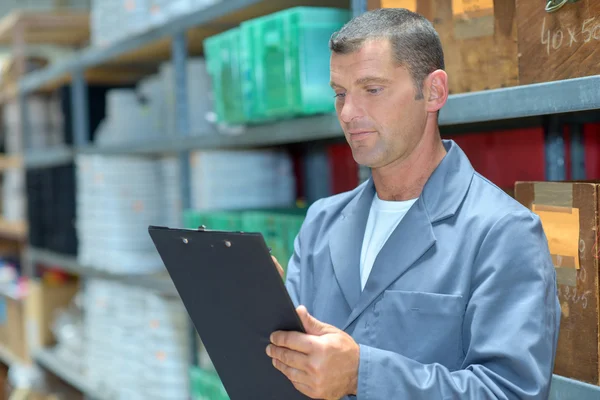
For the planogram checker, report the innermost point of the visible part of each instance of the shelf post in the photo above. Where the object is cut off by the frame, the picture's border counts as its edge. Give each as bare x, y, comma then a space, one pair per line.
79, 105
577, 152
555, 149
179, 57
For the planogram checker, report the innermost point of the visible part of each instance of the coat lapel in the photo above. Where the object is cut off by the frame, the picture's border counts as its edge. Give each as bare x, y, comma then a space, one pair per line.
441, 198
345, 244
409, 241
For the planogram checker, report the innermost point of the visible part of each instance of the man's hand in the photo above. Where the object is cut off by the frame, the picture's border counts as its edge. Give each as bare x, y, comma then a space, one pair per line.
322, 364
279, 267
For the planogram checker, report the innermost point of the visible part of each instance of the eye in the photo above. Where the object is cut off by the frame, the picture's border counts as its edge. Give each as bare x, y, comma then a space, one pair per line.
340, 95
376, 90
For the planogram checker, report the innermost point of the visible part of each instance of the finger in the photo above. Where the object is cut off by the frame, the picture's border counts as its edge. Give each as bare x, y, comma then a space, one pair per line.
312, 325
293, 374
279, 267
290, 358
294, 341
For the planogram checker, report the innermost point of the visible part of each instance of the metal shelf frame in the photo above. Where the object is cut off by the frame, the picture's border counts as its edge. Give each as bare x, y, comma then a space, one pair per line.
160, 284
548, 100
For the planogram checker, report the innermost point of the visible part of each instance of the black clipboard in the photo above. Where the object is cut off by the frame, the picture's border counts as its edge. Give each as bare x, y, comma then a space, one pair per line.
235, 298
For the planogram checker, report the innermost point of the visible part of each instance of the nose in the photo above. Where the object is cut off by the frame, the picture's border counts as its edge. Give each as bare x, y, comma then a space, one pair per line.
350, 110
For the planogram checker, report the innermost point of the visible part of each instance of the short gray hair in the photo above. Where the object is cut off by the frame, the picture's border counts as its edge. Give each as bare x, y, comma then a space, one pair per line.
415, 42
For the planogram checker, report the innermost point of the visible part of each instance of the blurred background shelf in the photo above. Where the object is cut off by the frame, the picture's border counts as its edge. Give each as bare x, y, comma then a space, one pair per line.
159, 283
153, 45
218, 113
47, 359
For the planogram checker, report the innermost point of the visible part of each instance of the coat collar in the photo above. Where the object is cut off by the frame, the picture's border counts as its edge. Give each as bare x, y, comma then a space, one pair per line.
443, 192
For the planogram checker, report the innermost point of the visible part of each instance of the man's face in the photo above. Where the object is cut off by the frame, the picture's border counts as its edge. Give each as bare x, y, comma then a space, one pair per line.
376, 104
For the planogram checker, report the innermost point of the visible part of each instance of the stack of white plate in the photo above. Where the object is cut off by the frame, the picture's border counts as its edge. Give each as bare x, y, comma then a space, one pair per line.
170, 176
200, 97
146, 342
129, 334
13, 195
129, 118
117, 198
241, 179
152, 92
45, 123
168, 349
100, 365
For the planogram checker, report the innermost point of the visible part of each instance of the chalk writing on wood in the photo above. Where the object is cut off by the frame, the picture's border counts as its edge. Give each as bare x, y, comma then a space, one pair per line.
568, 36
575, 297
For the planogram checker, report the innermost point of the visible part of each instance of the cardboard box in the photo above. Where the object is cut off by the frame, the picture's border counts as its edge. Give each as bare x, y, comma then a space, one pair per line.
43, 301
12, 336
479, 38
558, 45
25, 323
569, 214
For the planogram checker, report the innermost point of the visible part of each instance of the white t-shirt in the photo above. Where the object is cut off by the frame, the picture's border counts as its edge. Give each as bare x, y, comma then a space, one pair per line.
384, 217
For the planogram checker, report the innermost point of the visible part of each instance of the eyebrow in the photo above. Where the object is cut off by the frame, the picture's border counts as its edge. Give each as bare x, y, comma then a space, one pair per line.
372, 79
364, 81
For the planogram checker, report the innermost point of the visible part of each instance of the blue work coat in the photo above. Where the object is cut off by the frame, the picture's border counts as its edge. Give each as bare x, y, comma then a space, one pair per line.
462, 299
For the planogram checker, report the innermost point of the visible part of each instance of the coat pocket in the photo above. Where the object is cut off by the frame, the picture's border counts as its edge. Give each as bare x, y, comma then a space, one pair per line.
426, 327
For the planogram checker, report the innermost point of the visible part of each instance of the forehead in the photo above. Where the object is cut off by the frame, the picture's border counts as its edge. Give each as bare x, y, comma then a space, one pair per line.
373, 57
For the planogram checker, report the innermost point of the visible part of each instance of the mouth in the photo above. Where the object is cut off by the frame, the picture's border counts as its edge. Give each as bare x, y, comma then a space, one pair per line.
358, 135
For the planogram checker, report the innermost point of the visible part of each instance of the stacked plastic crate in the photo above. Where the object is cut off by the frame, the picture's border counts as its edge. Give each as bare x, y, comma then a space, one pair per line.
274, 67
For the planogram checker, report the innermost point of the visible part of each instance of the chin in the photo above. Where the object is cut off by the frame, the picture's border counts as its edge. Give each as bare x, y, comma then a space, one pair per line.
365, 160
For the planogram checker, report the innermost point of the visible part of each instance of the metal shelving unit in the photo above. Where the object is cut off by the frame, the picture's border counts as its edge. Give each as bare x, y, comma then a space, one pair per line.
160, 283
175, 38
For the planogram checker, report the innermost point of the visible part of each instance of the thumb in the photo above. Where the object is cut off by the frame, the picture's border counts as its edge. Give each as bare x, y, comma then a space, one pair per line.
312, 325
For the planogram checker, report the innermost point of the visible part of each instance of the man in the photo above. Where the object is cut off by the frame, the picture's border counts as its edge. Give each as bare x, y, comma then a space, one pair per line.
426, 282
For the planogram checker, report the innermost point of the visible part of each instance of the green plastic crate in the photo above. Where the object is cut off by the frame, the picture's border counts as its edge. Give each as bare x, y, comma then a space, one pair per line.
222, 53
215, 220
285, 57
279, 227
206, 385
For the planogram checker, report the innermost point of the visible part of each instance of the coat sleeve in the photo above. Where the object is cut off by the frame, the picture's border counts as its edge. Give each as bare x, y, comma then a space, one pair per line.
510, 328
297, 283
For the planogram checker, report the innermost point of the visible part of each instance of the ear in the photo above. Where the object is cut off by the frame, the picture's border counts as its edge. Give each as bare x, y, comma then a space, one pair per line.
436, 90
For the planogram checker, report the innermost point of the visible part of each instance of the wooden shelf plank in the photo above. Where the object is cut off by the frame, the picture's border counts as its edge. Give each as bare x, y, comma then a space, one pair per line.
10, 162
65, 28
13, 229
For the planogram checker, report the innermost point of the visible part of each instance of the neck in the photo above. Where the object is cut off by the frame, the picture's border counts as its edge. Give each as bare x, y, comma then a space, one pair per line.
405, 178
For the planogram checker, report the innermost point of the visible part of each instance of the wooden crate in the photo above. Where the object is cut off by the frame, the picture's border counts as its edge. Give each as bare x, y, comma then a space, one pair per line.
569, 214
559, 45
479, 38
